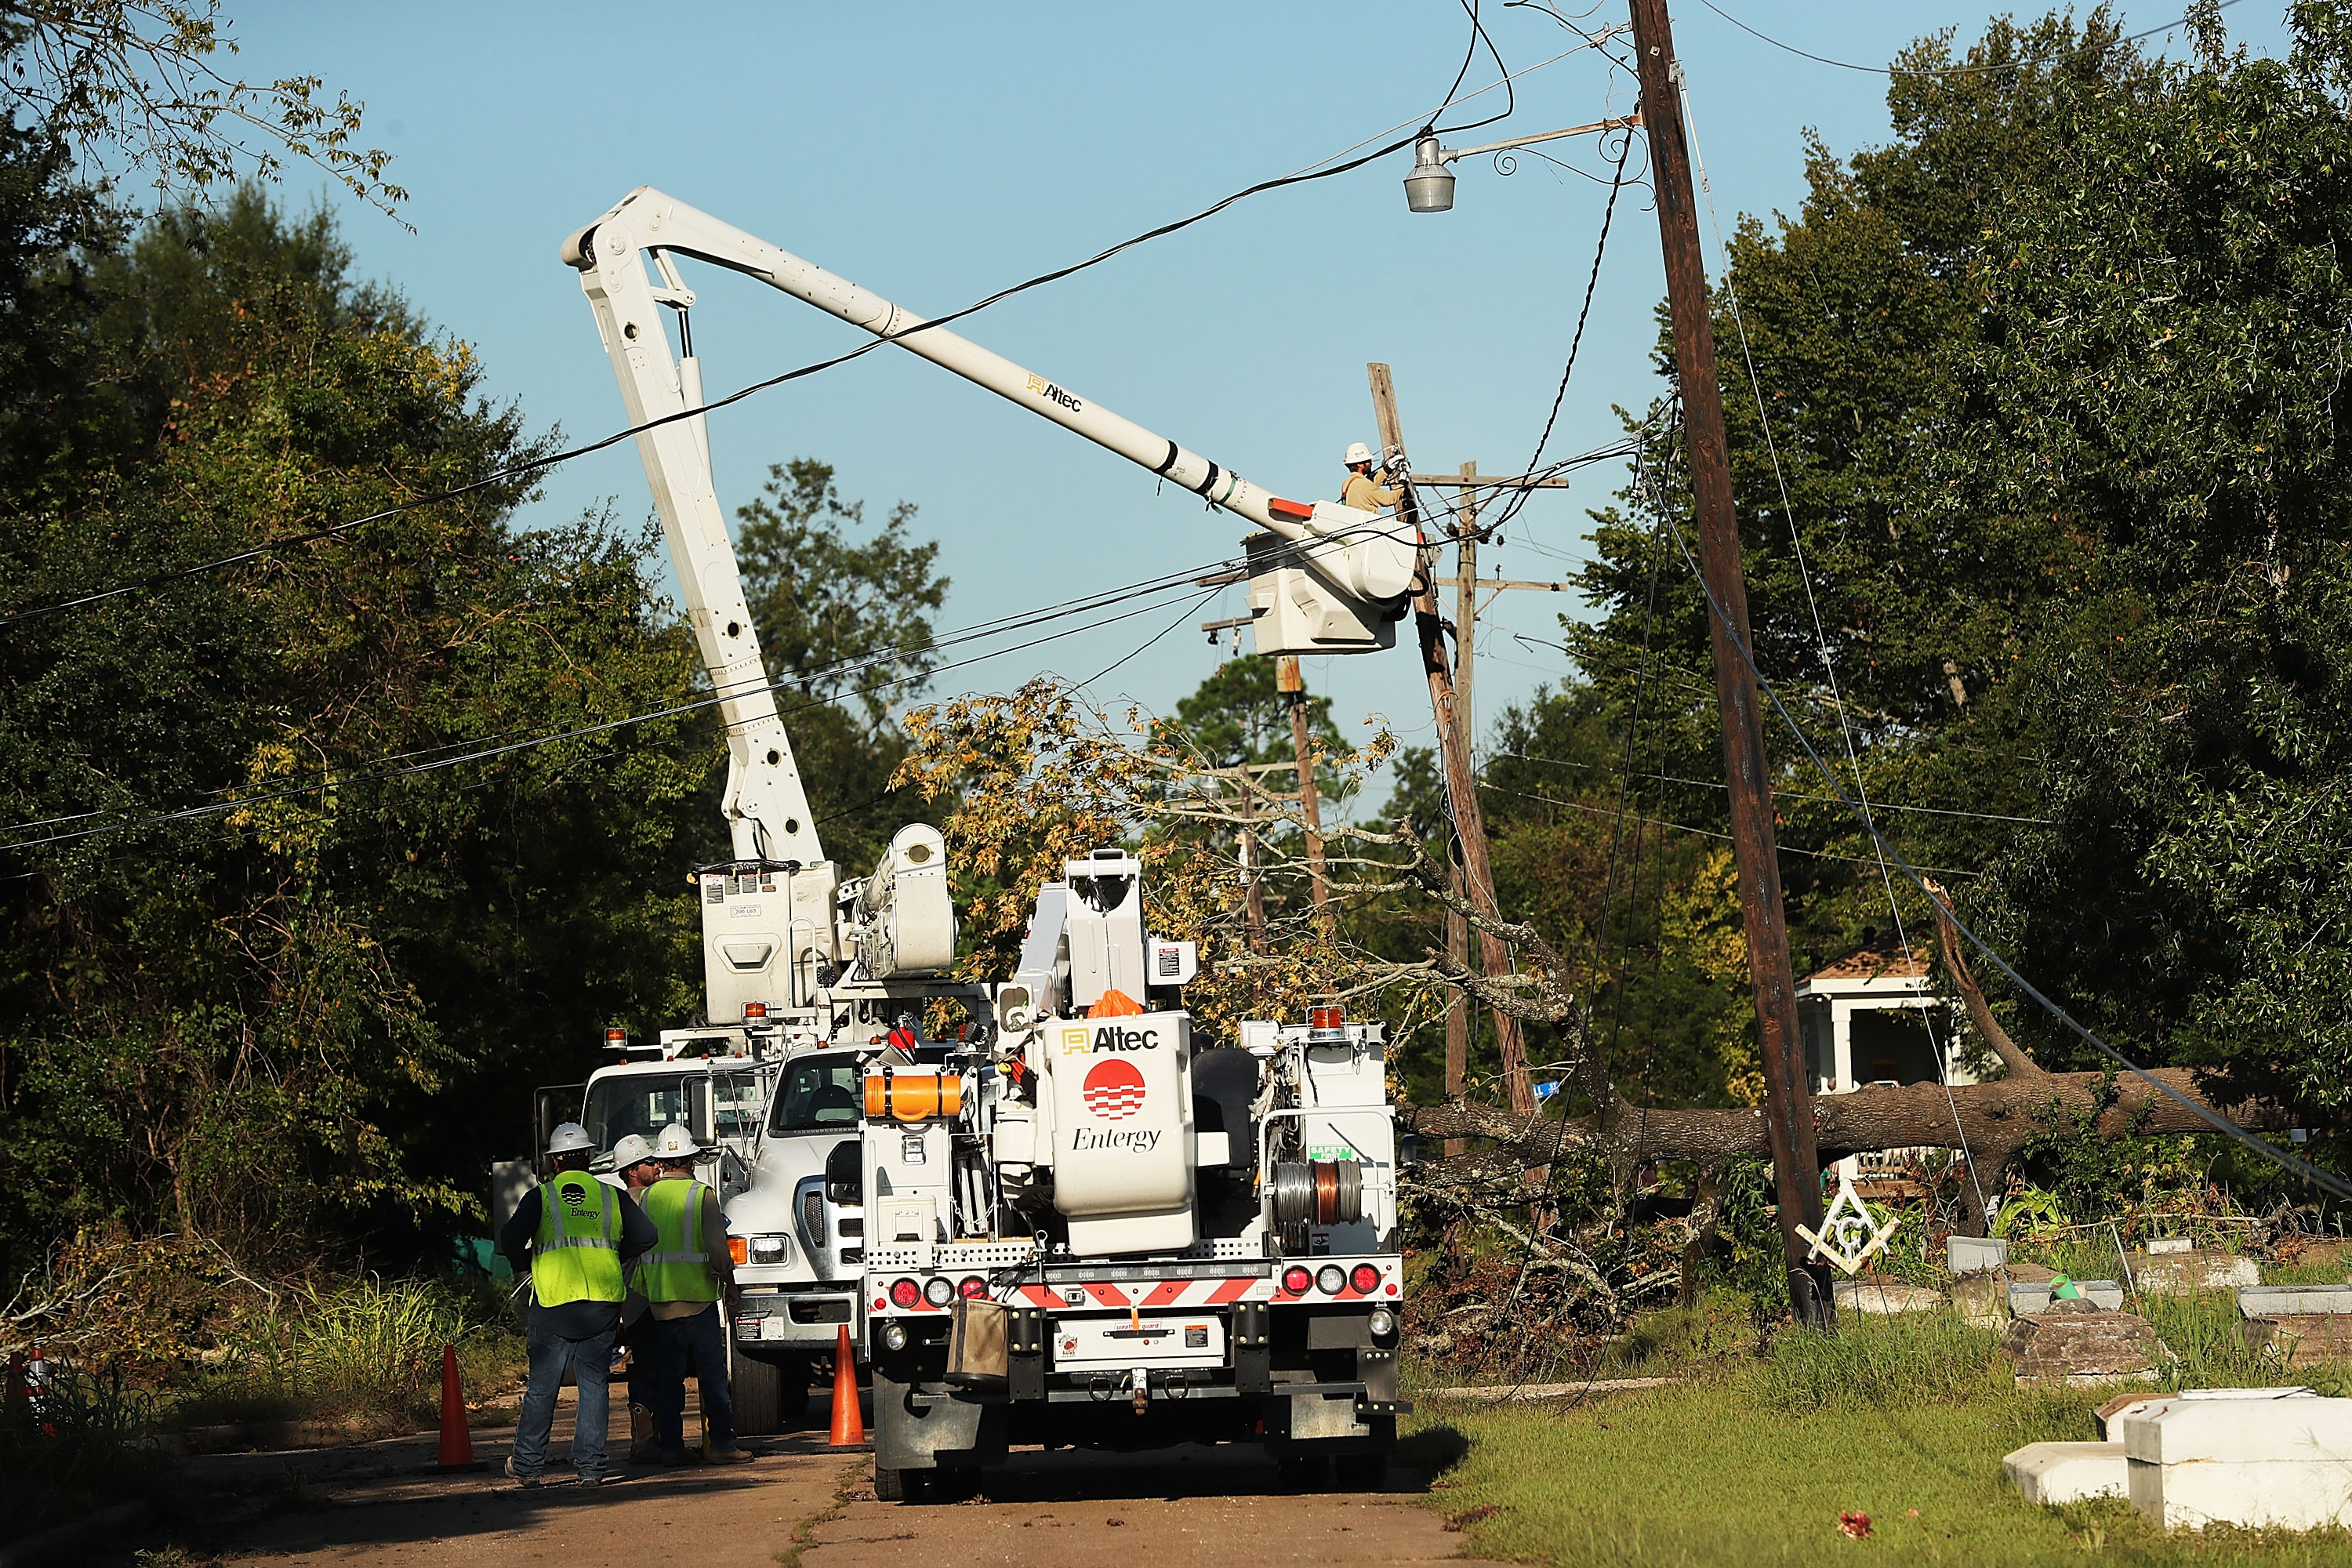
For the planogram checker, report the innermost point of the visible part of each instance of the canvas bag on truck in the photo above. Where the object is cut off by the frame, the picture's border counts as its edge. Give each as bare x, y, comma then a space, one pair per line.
976, 1351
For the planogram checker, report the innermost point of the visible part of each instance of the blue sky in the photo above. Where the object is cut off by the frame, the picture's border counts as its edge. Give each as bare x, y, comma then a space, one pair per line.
937, 153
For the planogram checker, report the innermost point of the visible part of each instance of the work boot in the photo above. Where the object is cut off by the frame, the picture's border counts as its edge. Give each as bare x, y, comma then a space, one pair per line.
517, 1476
729, 1457
675, 1457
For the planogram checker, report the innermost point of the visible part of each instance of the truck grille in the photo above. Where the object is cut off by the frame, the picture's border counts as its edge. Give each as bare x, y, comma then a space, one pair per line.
812, 1220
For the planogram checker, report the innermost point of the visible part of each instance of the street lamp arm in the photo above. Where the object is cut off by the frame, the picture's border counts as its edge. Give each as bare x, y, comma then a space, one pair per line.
1448, 154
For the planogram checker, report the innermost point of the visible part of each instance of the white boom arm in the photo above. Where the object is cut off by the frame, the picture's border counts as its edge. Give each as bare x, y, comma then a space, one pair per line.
1368, 556
766, 808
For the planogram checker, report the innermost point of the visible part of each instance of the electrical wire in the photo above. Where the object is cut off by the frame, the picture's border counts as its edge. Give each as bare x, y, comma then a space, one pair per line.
1485, 783
516, 472
224, 803
1787, 794
1512, 508
1932, 70
2219, 1124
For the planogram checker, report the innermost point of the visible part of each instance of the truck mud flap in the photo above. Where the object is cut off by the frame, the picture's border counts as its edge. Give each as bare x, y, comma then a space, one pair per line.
916, 1431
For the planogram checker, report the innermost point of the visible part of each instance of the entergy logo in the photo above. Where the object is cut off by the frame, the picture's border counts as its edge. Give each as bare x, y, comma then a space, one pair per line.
1114, 1090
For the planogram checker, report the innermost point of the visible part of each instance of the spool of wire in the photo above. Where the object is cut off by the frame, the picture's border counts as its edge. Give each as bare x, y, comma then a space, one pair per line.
1317, 1192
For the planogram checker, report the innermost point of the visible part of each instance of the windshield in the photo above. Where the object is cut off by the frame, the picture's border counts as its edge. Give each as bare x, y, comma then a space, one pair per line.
817, 1093
647, 1102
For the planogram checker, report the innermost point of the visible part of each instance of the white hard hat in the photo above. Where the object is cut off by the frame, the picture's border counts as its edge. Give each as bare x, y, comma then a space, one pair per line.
569, 1137
1357, 453
674, 1144
631, 1151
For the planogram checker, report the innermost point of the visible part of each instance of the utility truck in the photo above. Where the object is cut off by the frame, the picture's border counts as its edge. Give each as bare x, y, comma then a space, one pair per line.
1184, 1239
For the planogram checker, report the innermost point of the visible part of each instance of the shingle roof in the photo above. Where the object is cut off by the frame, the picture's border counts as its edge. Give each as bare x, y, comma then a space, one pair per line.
1874, 964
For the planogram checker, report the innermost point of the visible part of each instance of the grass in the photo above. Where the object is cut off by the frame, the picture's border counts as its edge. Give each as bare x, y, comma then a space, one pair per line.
84, 1448
367, 1354
1753, 1462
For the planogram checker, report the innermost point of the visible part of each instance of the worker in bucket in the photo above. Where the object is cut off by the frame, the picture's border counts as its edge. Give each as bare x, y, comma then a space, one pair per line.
1361, 490
577, 1236
633, 1163
683, 1277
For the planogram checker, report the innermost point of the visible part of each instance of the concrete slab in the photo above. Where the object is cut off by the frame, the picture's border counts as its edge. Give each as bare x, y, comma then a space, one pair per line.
2258, 1457
1975, 1254
2294, 1300
1884, 1297
1981, 1299
2053, 1473
2164, 1244
2179, 1273
2299, 1340
2074, 1345
2027, 1297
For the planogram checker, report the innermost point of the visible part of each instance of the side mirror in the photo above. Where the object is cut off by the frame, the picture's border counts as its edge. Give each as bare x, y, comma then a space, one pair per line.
702, 1110
845, 1173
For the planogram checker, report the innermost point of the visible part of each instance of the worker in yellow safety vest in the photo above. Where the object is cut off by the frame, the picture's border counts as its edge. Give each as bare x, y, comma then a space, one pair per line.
683, 1277
577, 1236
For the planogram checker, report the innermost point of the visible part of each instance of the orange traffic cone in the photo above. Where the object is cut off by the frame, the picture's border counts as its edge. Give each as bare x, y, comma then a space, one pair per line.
457, 1437
848, 1424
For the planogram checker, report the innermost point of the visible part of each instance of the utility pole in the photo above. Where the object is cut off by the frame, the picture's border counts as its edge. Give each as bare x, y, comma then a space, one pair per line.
1292, 683
1460, 1015
1453, 745
1788, 1109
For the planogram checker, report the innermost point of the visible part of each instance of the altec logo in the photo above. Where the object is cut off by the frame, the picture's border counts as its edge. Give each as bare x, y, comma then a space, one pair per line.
1114, 1090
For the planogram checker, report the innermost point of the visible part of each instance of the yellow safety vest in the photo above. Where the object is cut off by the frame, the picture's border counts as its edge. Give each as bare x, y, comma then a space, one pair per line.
576, 1256
678, 1268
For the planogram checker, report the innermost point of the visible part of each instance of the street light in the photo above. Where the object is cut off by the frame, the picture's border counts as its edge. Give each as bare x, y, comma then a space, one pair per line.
1429, 188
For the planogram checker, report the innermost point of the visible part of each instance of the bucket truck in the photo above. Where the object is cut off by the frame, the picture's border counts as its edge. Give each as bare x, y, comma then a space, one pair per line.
1170, 1238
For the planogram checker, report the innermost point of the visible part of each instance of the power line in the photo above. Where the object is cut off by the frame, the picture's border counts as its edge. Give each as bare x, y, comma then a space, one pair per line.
2206, 1113
1786, 794
492, 751
1932, 70
1325, 170
1701, 832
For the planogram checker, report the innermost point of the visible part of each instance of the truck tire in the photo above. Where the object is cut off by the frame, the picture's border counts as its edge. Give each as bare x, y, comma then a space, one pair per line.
769, 1396
890, 1486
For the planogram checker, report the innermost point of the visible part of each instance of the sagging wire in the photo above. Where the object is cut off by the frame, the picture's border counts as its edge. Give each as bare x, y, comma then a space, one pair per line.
1937, 71
2205, 1113
1937, 1047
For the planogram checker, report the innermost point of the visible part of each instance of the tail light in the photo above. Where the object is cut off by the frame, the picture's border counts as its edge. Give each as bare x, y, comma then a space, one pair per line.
1295, 1280
738, 1250
938, 1292
1365, 1279
973, 1289
907, 1293
1330, 1278
1327, 1025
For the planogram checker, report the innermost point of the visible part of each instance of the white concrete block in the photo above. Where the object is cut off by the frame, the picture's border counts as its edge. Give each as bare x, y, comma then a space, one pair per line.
2172, 1244
2027, 1297
2068, 1472
1874, 1296
2294, 1300
1975, 1254
2117, 1410
2271, 1457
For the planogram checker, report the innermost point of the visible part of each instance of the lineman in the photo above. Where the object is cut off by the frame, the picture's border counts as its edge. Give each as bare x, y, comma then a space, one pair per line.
634, 1163
577, 1235
1362, 491
682, 1278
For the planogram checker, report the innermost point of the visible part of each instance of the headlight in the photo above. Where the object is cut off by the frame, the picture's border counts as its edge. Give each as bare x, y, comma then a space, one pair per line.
771, 1248
1383, 1322
894, 1337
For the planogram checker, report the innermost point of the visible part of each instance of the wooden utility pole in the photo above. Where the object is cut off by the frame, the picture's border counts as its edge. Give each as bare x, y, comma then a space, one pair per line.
1292, 683
1452, 746
1788, 1109
1460, 1015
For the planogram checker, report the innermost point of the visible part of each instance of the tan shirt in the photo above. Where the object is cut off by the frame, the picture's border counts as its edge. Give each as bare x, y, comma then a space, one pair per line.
1365, 496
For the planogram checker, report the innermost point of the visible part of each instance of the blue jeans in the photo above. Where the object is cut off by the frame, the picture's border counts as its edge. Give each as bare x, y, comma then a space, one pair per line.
677, 1343
590, 1363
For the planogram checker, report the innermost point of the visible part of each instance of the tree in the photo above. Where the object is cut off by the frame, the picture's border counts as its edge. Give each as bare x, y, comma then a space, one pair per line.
304, 1014
847, 623
140, 85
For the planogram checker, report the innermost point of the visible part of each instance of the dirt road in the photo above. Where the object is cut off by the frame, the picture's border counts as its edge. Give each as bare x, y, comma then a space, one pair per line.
376, 1506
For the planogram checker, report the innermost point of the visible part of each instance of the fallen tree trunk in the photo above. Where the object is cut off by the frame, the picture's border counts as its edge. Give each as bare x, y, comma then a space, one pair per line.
1996, 1122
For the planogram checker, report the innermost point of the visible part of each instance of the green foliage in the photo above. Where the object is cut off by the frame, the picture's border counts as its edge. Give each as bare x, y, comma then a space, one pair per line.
86, 1446
846, 621
1755, 1260
314, 1012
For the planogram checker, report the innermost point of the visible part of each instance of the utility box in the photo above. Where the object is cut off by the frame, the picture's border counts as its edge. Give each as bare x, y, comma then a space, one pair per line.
1296, 609
1122, 1100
